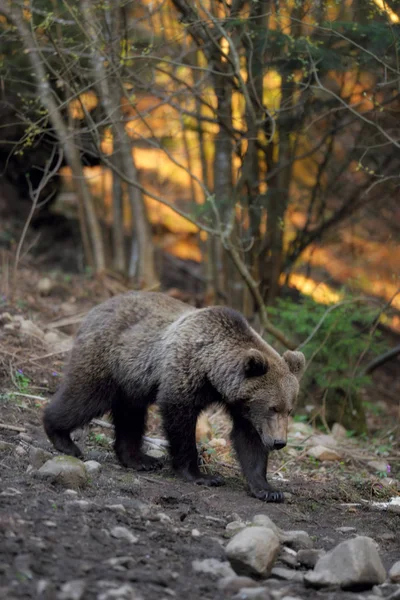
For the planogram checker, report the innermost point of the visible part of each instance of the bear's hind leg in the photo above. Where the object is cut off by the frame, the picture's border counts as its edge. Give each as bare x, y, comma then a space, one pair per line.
73, 407
130, 424
180, 428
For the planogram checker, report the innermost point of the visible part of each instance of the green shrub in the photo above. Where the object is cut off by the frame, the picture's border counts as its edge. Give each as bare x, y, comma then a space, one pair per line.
336, 353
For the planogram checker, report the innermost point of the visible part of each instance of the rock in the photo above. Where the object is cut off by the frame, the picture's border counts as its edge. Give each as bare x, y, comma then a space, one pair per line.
81, 504
57, 341
322, 439
346, 529
253, 551
72, 590
37, 457
196, 533
394, 572
232, 585
300, 430
71, 493
323, 453
380, 466
388, 482
217, 443
388, 536
22, 565
296, 539
390, 591
117, 508
6, 447
124, 592
339, 432
257, 593
11, 492
123, 533
287, 574
308, 557
20, 450
45, 590
264, 521
25, 437
92, 466
67, 471
44, 286
289, 559
156, 452
162, 517
353, 564
213, 567
29, 328
233, 528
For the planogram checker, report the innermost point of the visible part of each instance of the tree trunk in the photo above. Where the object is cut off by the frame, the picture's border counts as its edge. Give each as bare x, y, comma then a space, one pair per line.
64, 136
142, 259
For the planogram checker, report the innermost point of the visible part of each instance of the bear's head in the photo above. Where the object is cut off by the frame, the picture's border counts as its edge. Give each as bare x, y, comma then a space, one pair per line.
264, 387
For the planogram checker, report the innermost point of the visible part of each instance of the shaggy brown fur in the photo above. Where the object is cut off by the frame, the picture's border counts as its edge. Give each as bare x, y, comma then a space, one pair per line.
141, 347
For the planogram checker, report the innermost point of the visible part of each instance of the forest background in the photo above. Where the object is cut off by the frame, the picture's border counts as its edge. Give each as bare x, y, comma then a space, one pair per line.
243, 152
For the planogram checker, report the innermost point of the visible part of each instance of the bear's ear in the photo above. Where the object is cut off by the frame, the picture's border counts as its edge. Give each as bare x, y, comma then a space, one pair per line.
296, 362
255, 365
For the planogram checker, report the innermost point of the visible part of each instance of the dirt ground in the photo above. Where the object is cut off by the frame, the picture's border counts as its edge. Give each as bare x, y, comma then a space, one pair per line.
49, 537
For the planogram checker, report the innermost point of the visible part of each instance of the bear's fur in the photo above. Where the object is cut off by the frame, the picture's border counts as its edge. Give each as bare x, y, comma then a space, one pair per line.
145, 347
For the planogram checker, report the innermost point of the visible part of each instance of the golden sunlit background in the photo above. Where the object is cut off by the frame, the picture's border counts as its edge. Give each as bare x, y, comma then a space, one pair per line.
268, 128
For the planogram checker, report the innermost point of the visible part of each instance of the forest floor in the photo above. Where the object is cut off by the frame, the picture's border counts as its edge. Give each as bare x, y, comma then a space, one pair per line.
62, 544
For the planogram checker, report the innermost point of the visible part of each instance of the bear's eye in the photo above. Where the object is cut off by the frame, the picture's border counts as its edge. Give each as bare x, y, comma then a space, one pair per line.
273, 410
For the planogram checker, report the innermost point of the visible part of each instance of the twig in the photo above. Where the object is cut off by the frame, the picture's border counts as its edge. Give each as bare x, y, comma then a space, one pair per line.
290, 460
47, 355
101, 423
12, 427
67, 321
30, 396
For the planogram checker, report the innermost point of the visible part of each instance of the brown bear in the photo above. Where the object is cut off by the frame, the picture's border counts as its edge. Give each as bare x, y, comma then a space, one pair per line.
144, 347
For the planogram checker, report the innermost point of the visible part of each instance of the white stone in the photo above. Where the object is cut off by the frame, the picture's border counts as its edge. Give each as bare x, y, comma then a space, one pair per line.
309, 557
339, 432
296, 539
234, 527
394, 572
253, 551
65, 470
122, 533
300, 430
92, 466
72, 590
323, 453
322, 439
232, 585
118, 508
257, 593
196, 533
287, 574
213, 567
124, 592
265, 521
353, 563
378, 465
44, 286
217, 443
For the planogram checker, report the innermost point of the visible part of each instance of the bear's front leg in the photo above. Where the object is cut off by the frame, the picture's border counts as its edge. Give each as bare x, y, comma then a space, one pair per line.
179, 420
253, 459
